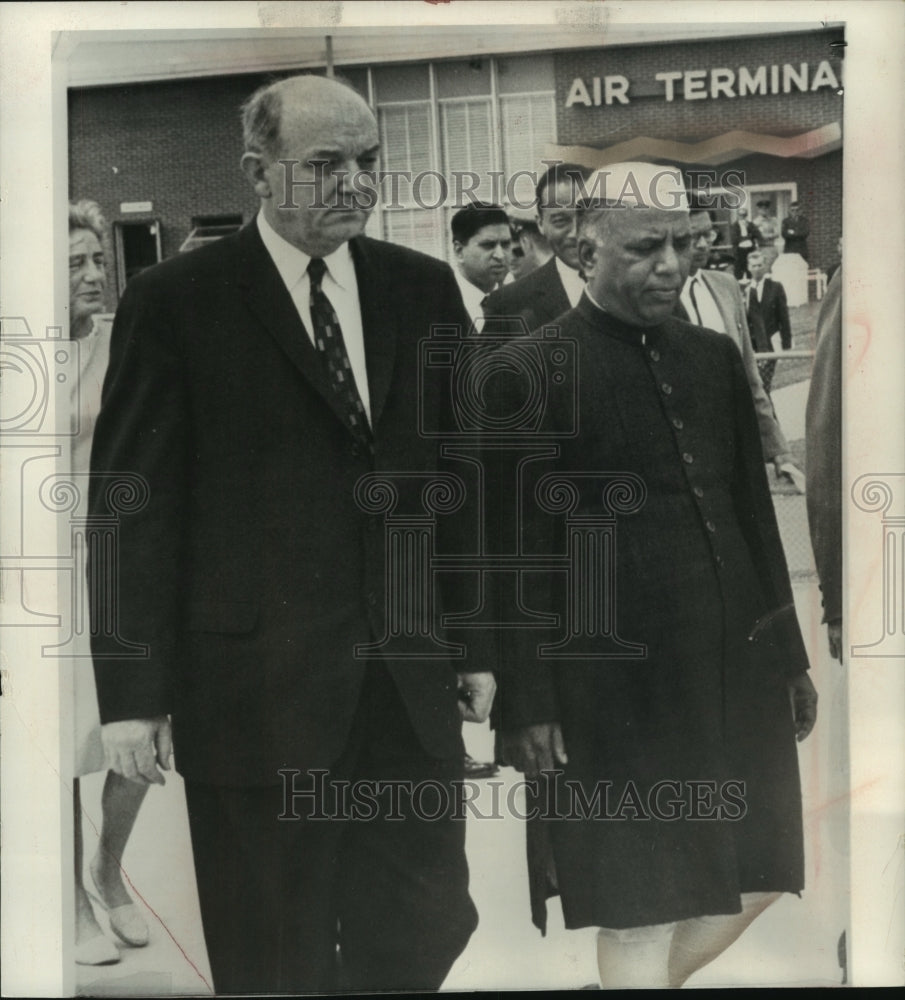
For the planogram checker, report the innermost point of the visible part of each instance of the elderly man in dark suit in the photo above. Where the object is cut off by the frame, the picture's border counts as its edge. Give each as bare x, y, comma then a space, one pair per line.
254, 385
539, 297
660, 714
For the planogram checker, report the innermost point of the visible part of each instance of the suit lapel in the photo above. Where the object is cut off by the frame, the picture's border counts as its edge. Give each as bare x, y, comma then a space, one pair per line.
730, 322
269, 300
379, 317
551, 289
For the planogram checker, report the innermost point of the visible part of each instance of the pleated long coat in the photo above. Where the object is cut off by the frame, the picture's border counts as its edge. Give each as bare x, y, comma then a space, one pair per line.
682, 787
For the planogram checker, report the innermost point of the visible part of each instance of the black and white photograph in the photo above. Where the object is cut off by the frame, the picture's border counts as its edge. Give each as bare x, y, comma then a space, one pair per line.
452, 514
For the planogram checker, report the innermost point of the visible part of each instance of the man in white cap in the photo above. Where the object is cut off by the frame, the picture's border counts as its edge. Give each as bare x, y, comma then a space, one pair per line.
669, 804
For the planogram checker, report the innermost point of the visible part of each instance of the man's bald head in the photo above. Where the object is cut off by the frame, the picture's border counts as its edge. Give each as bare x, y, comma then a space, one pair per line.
310, 97
310, 145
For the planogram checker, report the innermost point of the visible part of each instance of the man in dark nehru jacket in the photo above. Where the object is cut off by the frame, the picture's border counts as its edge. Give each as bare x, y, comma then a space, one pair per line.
673, 815
556, 286
253, 383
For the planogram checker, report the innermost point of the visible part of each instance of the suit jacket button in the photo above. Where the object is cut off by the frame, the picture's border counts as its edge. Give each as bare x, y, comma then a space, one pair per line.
678, 423
655, 355
667, 388
698, 492
687, 457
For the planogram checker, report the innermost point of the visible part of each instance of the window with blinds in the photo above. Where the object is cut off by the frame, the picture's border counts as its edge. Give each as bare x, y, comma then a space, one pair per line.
527, 125
467, 144
463, 105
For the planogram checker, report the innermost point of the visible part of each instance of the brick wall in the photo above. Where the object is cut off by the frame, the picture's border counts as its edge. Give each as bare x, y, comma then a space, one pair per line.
174, 144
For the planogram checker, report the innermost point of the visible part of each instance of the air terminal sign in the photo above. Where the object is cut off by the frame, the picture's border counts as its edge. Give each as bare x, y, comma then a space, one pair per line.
706, 84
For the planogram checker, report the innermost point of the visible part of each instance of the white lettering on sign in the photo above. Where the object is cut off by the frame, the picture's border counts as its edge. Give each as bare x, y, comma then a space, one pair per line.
135, 206
703, 84
615, 89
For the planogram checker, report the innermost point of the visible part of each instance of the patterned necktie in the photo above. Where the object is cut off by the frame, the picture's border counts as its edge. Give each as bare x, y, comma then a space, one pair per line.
328, 339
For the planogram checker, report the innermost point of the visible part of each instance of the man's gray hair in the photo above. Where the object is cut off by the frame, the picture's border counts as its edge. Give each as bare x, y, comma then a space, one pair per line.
86, 214
261, 115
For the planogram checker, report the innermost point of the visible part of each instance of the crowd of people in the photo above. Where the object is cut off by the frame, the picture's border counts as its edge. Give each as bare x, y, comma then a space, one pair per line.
261, 386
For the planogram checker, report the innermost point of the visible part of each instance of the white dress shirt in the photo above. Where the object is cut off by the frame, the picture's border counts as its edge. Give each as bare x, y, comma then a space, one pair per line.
473, 298
339, 285
572, 281
707, 312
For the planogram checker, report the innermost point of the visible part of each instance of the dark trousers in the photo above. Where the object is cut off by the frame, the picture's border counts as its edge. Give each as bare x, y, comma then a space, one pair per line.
359, 886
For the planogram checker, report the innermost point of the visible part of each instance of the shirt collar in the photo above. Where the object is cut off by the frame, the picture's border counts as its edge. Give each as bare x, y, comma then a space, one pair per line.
618, 328
472, 296
292, 263
570, 278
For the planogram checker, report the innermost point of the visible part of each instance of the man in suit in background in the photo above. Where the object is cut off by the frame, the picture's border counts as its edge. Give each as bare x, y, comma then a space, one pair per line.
556, 286
795, 232
481, 244
713, 300
252, 384
768, 314
530, 248
743, 235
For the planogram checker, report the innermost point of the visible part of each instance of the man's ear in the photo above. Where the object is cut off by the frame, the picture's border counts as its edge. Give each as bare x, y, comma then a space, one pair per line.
587, 254
253, 167
458, 247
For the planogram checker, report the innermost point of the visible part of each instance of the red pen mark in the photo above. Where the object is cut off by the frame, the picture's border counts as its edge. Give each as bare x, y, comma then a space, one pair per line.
157, 916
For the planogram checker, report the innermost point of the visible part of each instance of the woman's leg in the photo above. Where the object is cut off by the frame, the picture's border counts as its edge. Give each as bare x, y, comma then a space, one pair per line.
634, 958
120, 803
700, 940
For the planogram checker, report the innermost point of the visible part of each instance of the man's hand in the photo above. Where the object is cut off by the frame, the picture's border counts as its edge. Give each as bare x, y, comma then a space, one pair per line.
134, 748
476, 693
535, 748
834, 634
804, 704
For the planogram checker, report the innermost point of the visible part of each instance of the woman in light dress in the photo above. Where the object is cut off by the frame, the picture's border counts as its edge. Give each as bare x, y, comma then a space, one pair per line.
121, 798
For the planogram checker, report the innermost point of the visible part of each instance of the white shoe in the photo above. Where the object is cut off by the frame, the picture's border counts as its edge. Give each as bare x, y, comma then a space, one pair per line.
97, 950
126, 921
